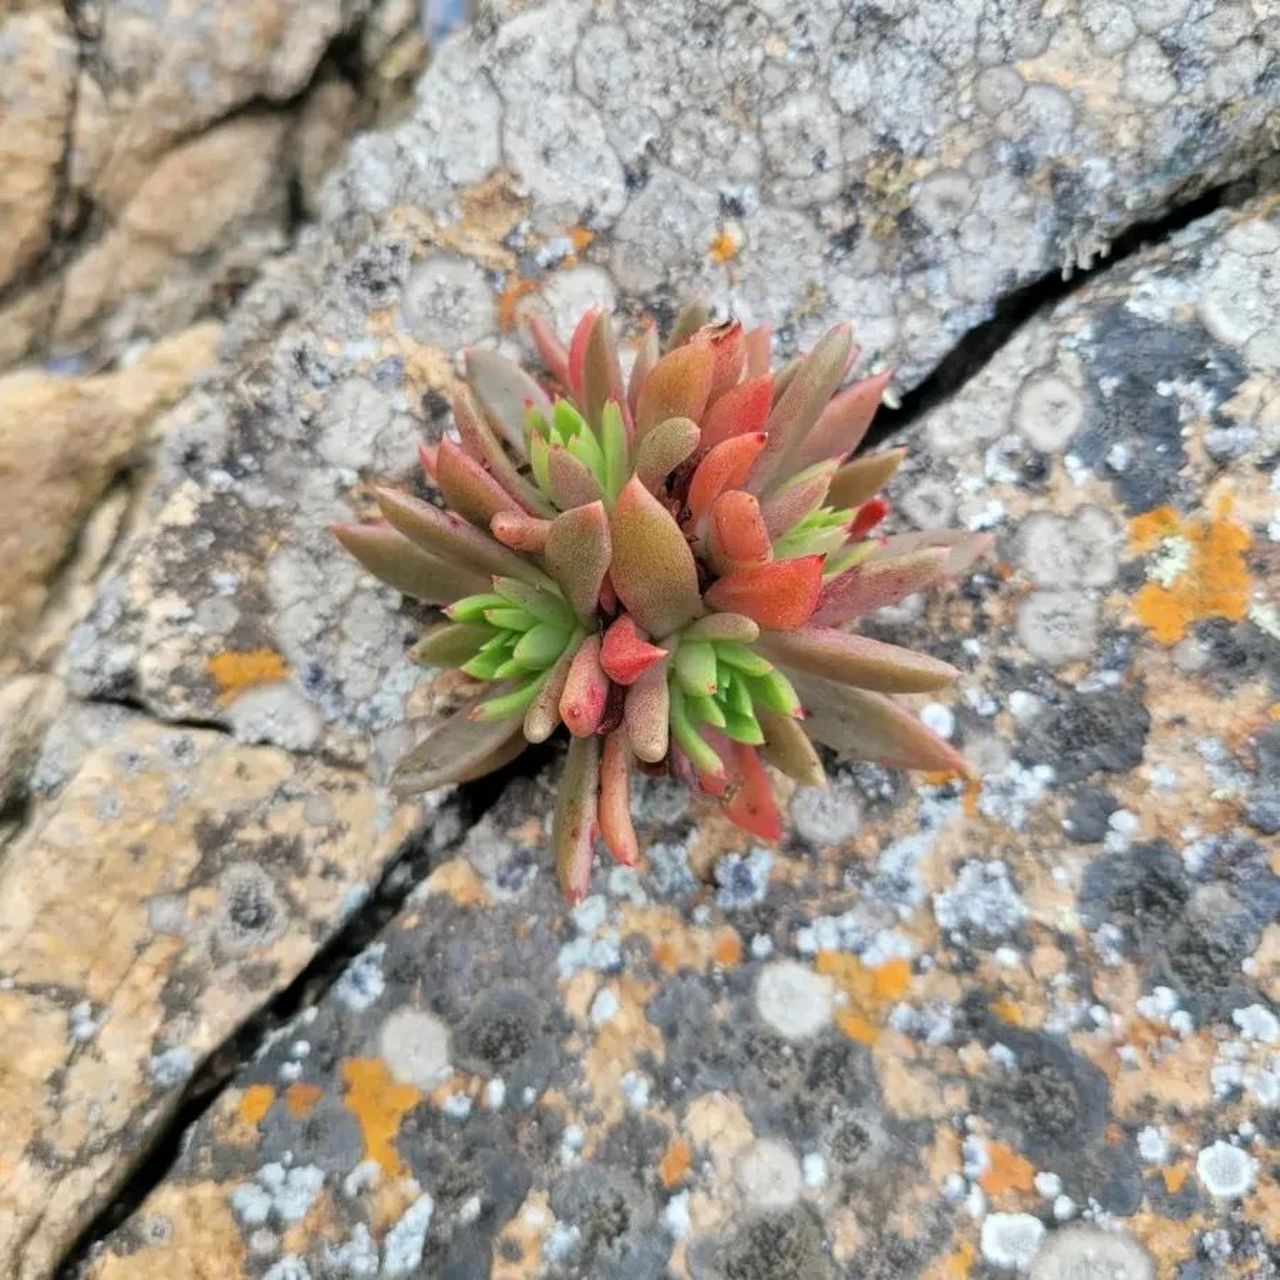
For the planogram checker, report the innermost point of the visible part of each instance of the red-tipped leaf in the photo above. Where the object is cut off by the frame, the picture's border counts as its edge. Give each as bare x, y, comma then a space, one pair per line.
585, 690
843, 423
468, 488
738, 534
520, 532
726, 466
855, 660
879, 583
742, 410
780, 596
677, 387
625, 654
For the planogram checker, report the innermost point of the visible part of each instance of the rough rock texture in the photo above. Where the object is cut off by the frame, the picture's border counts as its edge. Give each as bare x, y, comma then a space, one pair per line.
65, 439
851, 1057
166, 881
523, 177
150, 157
944, 1021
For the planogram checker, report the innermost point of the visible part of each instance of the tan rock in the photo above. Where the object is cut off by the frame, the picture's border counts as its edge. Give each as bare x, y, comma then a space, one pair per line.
37, 81
61, 442
27, 704
212, 871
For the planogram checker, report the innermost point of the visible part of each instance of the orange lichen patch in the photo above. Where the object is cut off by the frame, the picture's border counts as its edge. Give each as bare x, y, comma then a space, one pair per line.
1007, 1011
378, 1103
725, 246
301, 1099
675, 1162
460, 881
726, 947
955, 1266
1006, 1171
1273, 712
255, 1102
868, 991
581, 237
509, 299
236, 670
1214, 583
1174, 1176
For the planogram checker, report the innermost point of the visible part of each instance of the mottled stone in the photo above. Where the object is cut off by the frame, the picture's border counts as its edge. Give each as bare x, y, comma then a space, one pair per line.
927, 1034
165, 884
66, 439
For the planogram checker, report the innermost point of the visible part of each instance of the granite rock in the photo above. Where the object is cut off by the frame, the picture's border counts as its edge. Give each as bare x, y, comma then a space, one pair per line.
166, 882
924, 1042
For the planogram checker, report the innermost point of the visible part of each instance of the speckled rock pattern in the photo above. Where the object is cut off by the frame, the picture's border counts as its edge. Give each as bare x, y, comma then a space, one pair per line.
947, 1030
147, 152
799, 165
166, 882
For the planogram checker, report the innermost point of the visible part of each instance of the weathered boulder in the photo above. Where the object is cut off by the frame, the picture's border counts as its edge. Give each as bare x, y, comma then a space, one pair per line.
944, 1020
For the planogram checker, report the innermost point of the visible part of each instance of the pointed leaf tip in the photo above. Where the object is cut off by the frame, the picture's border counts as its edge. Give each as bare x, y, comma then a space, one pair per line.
626, 654
653, 569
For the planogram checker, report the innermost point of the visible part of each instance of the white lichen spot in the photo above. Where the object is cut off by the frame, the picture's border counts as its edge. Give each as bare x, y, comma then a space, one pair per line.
408, 1238
1170, 560
495, 1093
635, 1088
1153, 1146
827, 815
939, 718
1086, 1252
356, 1256
1048, 411
813, 1169
1058, 627
1226, 1171
1010, 1240
290, 1267
362, 983
171, 1067
769, 1175
1009, 795
742, 881
1258, 1023
361, 1179
604, 1008
983, 899
675, 1216
457, 1106
561, 1242
285, 1195
793, 1000
415, 1046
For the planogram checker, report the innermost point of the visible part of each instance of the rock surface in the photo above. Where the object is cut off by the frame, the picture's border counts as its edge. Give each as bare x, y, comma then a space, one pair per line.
149, 155
943, 1021
521, 179
946, 1021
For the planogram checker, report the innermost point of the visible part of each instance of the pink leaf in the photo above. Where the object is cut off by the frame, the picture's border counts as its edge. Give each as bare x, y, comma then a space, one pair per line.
780, 596
625, 654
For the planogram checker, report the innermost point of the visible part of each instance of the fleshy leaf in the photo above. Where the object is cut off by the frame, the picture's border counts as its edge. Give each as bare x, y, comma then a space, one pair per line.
872, 726
585, 690
450, 645
743, 410
696, 668
515, 702
964, 548
450, 538
625, 654
615, 799
546, 606
653, 570
736, 628
797, 498
726, 466
692, 317
759, 345
578, 551
787, 747
750, 802
389, 555
729, 349
540, 647
664, 449
480, 441
781, 595
738, 537
864, 477
601, 373
843, 423
855, 660
614, 450
690, 740
543, 715
795, 413
677, 387
450, 750
468, 488
646, 712
505, 392
571, 484
573, 830
878, 583
550, 348
520, 532
646, 357
578, 349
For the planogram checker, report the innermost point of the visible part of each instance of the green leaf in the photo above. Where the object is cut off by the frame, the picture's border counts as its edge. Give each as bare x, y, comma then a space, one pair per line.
543, 715
689, 740
788, 749
704, 711
449, 645
473, 608
579, 547
746, 660
695, 668
546, 606
540, 461
743, 728
735, 691
510, 704
508, 618
774, 691
613, 438
486, 665
540, 646
734, 627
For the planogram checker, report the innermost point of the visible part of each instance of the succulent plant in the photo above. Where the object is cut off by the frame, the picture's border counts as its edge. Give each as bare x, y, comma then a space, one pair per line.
668, 564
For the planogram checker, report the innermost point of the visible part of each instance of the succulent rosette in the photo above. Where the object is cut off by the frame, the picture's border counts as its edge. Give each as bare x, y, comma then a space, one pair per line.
670, 564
